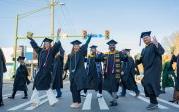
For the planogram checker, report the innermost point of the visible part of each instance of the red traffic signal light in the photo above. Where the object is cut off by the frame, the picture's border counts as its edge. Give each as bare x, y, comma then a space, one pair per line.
84, 34
107, 34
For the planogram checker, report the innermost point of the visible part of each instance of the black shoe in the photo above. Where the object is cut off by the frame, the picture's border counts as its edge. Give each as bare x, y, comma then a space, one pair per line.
122, 95
162, 92
113, 103
59, 96
152, 106
174, 101
25, 97
137, 94
1, 104
11, 97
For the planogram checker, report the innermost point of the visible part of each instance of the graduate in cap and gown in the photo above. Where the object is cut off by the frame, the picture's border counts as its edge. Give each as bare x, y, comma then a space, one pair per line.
151, 59
76, 67
94, 72
21, 79
128, 74
112, 71
58, 71
43, 78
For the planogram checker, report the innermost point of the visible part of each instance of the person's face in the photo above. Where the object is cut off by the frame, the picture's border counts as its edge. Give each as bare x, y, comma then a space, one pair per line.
47, 45
147, 40
21, 61
93, 50
112, 47
128, 53
76, 48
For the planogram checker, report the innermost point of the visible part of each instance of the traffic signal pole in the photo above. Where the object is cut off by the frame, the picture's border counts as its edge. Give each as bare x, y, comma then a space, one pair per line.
15, 41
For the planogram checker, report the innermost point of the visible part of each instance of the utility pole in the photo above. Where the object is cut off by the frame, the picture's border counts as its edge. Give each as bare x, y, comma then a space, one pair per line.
52, 5
15, 41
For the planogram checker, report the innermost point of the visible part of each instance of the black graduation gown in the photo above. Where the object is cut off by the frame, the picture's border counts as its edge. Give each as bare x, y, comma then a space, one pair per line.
58, 71
43, 78
151, 58
21, 79
127, 77
76, 67
94, 73
110, 82
176, 59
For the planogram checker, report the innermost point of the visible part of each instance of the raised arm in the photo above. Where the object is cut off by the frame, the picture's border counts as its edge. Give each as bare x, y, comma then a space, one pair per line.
58, 49
84, 47
35, 46
66, 67
33, 43
159, 49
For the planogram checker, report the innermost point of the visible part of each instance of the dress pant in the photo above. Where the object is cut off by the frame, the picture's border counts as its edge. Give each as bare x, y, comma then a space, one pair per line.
75, 93
1, 84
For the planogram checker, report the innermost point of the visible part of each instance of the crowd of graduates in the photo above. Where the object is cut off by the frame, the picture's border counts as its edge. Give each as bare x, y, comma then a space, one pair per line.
103, 71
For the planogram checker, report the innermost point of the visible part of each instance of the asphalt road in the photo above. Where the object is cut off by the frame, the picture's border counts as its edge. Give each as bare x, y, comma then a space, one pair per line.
89, 104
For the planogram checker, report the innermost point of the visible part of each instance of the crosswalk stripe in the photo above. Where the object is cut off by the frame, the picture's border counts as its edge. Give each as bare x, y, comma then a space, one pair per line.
102, 104
164, 101
87, 103
146, 100
5, 97
32, 107
23, 104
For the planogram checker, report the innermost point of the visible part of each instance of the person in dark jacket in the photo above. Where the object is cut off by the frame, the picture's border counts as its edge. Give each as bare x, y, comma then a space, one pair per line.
76, 67
176, 89
151, 59
3, 69
168, 74
21, 79
128, 74
44, 78
94, 72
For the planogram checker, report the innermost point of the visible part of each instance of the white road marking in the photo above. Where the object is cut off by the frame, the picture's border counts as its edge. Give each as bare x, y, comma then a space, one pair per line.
146, 100
41, 102
24, 104
102, 104
6, 97
164, 101
87, 103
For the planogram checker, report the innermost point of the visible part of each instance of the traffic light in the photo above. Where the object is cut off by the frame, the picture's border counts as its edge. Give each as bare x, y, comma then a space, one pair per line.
84, 34
107, 34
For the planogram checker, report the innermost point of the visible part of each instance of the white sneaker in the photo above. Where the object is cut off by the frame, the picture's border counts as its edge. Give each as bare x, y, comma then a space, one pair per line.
35, 105
99, 95
75, 105
72, 105
83, 94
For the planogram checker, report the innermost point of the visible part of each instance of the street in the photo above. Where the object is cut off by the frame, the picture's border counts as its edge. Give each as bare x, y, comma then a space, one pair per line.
89, 104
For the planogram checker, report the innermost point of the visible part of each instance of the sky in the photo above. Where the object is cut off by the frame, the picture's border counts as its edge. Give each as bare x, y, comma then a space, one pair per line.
125, 19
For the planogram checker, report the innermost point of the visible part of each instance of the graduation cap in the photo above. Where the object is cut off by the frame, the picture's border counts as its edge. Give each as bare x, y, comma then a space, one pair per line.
20, 58
93, 47
143, 34
76, 42
47, 40
112, 42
